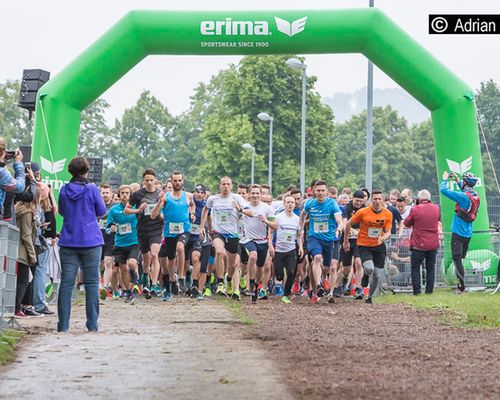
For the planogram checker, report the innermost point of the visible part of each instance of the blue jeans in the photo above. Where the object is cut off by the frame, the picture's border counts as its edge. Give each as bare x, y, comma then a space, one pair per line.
39, 281
88, 259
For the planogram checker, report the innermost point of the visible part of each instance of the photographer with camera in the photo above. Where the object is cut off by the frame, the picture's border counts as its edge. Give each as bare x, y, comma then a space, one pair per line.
466, 207
8, 183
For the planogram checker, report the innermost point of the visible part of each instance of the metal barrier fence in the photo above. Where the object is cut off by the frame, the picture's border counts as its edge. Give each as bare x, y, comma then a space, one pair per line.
9, 247
481, 263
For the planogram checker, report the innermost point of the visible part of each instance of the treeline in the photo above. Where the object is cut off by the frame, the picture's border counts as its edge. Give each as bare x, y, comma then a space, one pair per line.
205, 141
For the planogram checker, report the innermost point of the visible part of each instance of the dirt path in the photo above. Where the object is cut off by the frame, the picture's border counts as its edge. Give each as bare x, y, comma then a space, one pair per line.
357, 351
182, 350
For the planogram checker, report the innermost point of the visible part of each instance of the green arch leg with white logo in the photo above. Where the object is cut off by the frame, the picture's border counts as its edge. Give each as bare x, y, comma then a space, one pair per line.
366, 31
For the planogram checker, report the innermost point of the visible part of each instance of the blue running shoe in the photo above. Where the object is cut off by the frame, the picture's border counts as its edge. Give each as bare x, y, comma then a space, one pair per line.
278, 290
167, 296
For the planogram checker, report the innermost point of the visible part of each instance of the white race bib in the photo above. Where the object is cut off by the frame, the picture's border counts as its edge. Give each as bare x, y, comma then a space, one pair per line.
102, 223
288, 237
374, 232
176, 228
321, 227
195, 229
149, 208
124, 229
223, 217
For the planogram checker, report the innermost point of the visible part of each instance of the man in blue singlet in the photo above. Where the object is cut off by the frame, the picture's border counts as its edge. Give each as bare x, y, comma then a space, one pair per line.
178, 210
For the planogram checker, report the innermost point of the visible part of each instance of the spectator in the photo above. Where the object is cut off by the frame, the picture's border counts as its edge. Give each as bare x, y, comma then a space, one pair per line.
80, 204
7, 182
393, 196
26, 217
424, 241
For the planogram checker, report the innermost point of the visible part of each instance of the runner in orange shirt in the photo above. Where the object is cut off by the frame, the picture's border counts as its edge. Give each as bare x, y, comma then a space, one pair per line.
375, 223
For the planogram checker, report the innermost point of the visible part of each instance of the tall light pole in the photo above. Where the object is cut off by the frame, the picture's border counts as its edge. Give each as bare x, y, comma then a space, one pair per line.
369, 125
297, 64
263, 116
248, 146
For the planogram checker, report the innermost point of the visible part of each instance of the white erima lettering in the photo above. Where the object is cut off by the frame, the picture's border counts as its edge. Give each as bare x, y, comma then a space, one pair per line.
228, 27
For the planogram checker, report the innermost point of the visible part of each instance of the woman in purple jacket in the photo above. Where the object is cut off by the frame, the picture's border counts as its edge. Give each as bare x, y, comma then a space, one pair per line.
80, 205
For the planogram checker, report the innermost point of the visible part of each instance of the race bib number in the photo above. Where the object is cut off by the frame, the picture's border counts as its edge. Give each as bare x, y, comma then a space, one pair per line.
102, 223
374, 232
321, 227
195, 229
288, 237
176, 228
124, 229
149, 208
223, 217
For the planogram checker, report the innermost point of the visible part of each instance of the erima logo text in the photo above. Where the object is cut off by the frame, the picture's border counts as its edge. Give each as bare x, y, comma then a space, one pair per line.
229, 27
53, 168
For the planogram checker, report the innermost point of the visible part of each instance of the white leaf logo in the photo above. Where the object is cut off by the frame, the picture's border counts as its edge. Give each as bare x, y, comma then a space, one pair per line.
53, 168
460, 168
290, 29
480, 266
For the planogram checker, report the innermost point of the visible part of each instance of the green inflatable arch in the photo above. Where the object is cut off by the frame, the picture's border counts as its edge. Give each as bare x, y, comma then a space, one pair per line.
367, 31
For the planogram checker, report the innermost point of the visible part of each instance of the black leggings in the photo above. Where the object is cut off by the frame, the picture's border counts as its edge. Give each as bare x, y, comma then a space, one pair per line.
23, 277
286, 261
459, 247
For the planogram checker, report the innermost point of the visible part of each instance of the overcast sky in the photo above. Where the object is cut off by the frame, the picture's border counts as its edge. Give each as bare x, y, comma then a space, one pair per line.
50, 34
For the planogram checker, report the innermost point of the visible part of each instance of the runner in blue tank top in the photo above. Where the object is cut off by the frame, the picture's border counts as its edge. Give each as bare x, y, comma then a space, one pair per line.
178, 211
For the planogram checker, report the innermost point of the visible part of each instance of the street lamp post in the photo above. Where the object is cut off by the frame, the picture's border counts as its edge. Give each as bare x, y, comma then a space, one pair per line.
263, 116
248, 146
297, 64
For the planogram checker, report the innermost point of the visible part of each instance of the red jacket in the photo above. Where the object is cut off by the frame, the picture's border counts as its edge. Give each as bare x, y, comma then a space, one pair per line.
424, 219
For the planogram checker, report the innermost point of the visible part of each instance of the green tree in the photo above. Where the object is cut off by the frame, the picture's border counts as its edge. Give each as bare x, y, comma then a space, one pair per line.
141, 140
425, 175
488, 106
396, 163
95, 135
15, 125
236, 95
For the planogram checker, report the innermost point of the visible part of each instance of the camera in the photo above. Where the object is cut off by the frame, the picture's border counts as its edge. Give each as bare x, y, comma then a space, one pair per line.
10, 154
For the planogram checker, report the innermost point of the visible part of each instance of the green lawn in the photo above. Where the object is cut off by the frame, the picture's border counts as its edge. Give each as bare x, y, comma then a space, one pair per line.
8, 339
469, 309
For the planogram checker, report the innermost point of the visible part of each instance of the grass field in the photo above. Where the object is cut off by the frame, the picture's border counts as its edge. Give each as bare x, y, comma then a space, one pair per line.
8, 339
477, 309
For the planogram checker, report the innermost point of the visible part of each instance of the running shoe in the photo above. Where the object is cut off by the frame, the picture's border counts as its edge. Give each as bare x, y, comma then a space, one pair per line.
146, 292
207, 292
369, 300
314, 299
130, 297
30, 312
188, 291
103, 293
229, 288
20, 315
263, 294
221, 290
189, 277
200, 296
255, 295
295, 288
326, 285
116, 295
194, 292
236, 295
285, 300
243, 282
167, 296
358, 294
174, 288
278, 289
320, 292
330, 299
137, 289
346, 290
155, 290
337, 292
182, 285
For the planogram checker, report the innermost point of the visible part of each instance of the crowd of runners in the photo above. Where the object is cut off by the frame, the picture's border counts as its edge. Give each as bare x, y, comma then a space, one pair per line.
161, 241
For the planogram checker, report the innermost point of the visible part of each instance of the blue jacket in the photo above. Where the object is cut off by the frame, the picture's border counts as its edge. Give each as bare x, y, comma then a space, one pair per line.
10, 184
80, 204
458, 225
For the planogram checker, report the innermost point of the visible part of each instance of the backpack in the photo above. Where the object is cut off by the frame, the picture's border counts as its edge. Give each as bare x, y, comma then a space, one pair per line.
470, 214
